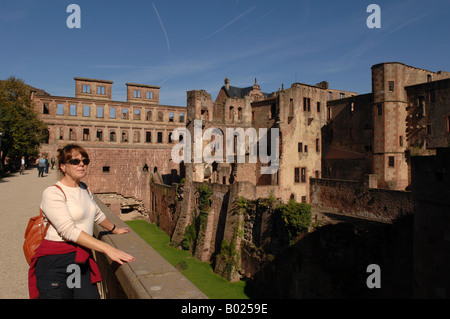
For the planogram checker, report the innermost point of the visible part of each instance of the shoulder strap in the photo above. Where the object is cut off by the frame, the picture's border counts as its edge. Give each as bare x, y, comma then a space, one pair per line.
42, 215
85, 187
61, 191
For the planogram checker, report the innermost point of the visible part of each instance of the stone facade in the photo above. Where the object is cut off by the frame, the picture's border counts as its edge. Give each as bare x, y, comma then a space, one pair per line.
372, 134
126, 141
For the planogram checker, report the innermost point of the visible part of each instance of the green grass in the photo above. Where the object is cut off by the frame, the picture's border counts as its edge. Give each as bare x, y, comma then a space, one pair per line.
199, 273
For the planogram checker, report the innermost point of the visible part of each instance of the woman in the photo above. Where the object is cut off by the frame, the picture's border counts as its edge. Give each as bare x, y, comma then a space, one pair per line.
72, 212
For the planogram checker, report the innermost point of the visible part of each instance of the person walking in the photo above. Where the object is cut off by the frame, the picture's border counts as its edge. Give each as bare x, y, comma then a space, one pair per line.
41, 166
47, 164
72, 212
22, 165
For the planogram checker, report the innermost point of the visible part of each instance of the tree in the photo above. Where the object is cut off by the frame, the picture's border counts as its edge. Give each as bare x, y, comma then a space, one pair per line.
296, 218
22, 129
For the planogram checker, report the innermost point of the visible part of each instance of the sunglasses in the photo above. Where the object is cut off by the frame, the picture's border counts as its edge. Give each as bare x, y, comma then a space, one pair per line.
77, 161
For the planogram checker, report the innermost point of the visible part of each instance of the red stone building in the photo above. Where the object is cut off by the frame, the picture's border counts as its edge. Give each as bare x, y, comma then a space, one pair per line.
125, 140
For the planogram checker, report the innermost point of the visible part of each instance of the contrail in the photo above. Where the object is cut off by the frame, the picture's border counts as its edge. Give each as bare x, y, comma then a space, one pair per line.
231, 22
162, 26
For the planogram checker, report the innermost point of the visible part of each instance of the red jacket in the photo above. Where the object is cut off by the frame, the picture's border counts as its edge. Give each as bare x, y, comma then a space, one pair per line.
48, 247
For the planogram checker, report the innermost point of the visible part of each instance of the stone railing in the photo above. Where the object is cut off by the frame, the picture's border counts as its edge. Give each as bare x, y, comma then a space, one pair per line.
150, 276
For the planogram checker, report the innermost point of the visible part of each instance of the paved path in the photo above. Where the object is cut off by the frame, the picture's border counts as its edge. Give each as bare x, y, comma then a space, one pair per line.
20, 196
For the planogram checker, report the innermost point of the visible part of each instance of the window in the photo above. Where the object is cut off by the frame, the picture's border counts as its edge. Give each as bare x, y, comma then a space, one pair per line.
170, 137
160, 116
380, 109
300, 147
317, 145
112, 113
304, 199
160, 137
330, 95
137, 114
149, 95
181, 117
448, 124
307, 104
85, 134
87, 111
60, 109
318, 107
329, 113
136, 137
99, 111
297, 175
171, 117
73, 110
105, 169
429, 129
137, 94
391, 86
124, 136
101, 90
291, 107
148, 137
341, 95
86, 88
306, 148
240, 114
352, 107
112, 136
391, 161
125, 114
149, 116
45, 109
303, 177
72, 135
400, 140
99, 135
433, 95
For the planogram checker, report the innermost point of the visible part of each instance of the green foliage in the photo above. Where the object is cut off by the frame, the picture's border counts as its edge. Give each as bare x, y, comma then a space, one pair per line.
199, 273
22, 128
199, 218
296, 218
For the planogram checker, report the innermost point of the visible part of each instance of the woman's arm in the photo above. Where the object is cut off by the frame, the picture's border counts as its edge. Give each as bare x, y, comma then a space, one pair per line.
86, 240
110, 226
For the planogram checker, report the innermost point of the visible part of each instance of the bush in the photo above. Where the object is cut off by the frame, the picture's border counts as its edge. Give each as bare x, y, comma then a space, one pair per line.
296, 218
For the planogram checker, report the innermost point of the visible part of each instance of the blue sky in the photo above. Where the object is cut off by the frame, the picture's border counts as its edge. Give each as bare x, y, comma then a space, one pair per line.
184, 45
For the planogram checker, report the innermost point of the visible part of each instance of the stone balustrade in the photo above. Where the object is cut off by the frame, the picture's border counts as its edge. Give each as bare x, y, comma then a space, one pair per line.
150, 276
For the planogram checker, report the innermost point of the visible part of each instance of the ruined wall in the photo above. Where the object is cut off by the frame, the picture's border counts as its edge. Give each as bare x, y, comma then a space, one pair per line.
331, 262
428, 122
390, 114
431, 190
356, 199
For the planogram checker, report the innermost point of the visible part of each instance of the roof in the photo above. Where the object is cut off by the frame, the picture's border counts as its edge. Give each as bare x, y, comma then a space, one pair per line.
238, 92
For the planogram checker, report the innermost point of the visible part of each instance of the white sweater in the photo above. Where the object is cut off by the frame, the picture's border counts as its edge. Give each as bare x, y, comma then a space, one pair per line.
69, 217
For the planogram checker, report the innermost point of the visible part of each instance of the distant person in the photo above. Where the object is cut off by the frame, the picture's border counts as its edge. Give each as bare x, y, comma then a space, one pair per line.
41, 166
47, 164
52, 161
72, 213
22, 165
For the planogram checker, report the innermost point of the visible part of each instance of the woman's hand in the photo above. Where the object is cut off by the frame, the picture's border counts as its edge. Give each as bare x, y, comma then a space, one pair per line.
118, 255
122, 230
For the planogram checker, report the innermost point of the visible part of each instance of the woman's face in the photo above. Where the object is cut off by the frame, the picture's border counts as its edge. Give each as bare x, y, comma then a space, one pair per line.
75, 172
